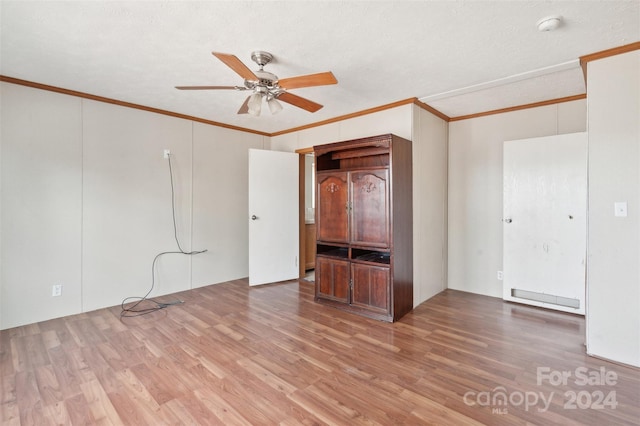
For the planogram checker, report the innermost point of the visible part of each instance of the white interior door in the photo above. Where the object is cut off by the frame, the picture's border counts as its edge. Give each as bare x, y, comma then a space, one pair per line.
273, 216
545, 209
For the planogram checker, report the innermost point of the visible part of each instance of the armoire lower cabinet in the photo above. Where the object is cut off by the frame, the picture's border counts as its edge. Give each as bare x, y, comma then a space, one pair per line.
364, 226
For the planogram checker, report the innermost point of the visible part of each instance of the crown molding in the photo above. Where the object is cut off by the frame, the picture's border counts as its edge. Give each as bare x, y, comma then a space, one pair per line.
521, 107
83, 95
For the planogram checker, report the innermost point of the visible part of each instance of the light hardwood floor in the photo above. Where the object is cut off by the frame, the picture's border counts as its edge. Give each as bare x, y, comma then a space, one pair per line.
238, 355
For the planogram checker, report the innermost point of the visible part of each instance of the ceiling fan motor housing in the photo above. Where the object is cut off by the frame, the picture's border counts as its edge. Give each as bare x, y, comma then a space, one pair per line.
267, 82
267, 79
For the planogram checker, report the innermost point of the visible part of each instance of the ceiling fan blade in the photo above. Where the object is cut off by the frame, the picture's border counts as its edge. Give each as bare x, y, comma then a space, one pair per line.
236, 64
244, 109
210, 88
298, 101
320, 79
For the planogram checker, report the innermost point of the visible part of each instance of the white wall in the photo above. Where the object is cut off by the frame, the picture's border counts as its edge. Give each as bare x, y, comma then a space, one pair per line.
430, 141
126, 217
613, 285
41, 204
221, 203
429, 136
86, 203
475, 187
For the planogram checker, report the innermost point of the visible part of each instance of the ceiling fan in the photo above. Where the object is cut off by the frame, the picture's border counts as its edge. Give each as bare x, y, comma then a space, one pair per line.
266, 85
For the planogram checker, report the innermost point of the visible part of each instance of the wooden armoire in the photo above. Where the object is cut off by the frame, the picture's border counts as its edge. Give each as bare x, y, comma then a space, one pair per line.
364, 226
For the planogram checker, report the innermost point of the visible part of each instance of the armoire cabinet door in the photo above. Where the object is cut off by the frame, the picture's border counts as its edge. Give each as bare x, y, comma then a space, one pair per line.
332, 279
371, 287
332, 207
370, 208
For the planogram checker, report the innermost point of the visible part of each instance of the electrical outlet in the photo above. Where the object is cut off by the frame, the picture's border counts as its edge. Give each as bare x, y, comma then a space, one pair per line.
620, 208
500, 275
166, 154
56, 290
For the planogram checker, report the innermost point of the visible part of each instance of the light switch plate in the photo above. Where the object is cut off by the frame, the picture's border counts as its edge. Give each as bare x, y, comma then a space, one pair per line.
620, 208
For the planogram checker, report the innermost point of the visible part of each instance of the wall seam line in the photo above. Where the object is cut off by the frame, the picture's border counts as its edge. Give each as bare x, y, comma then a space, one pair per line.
191, 212
82, 102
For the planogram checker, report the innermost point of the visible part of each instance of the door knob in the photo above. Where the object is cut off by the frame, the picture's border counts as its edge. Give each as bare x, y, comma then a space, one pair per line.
254, 217
508, 220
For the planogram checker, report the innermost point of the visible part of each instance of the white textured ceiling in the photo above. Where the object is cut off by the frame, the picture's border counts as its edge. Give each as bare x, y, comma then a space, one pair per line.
380, 51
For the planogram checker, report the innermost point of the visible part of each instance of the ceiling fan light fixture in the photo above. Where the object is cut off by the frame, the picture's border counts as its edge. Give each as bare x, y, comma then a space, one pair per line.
255, 104
274, 106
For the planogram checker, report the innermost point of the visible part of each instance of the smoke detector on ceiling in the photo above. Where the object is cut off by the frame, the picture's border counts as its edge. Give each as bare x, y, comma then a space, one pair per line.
549, 23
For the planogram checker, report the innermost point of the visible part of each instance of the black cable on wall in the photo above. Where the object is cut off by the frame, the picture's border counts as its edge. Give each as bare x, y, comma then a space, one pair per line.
135, 310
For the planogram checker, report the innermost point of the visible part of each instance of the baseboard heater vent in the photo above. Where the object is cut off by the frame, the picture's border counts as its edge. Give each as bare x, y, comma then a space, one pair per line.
546, 298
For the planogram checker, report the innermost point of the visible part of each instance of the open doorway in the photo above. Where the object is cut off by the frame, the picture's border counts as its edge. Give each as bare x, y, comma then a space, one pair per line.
307, 214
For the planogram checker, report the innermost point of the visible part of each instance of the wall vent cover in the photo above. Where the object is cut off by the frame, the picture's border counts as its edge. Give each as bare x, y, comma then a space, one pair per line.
546, 298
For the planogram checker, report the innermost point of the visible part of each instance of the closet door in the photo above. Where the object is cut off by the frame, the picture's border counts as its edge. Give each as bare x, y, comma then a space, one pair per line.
332, 207
545, 221
369, 208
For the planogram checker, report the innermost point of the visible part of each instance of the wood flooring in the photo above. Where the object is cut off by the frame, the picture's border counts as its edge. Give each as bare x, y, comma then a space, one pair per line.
238, 355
